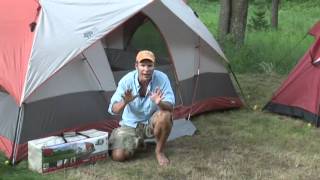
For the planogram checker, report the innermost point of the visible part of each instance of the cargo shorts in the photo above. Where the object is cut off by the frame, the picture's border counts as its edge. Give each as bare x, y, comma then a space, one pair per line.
129, 138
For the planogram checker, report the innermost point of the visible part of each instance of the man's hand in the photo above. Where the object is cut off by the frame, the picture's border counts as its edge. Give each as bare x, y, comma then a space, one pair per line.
157, 96
128, 97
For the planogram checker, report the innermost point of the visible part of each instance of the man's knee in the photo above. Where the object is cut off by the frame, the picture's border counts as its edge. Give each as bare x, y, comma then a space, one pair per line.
163, 120
120, 155
164, 116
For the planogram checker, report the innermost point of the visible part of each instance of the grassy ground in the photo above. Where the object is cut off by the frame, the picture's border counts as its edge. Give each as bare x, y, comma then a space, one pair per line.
237, 144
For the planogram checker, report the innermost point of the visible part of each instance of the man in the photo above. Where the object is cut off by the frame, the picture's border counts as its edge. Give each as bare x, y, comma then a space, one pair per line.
145, 99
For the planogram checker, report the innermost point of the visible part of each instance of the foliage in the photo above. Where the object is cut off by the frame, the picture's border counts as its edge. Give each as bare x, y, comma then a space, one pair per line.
258, 18
148, 37
265, 51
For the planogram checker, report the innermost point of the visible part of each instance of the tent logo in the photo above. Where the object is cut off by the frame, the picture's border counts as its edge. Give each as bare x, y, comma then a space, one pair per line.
88, 34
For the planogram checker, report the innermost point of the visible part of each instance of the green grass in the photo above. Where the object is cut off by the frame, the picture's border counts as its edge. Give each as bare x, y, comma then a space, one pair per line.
19, 172
238, 144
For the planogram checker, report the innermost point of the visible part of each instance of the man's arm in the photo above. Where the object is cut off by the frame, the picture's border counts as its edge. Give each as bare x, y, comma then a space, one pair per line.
166, 106
127, 97
118, 107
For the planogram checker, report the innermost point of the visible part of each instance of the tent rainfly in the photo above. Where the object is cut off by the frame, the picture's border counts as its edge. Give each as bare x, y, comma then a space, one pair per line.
298, 96
61, 61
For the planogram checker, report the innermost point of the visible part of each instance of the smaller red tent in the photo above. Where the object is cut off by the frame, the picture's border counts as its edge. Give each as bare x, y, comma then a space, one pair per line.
315, 30
299, 94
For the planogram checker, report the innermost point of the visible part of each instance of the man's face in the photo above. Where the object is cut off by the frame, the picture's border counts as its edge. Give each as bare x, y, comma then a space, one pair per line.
145, 69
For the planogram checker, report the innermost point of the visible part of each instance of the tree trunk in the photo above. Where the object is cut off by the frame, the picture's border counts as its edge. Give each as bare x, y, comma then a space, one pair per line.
233, 20
239, 20
224, 19
274, 13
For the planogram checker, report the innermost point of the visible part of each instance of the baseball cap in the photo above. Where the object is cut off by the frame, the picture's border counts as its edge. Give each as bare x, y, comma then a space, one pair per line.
145, 54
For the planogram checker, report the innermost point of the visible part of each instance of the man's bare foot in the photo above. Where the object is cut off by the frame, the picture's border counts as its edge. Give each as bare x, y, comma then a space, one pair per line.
162, 159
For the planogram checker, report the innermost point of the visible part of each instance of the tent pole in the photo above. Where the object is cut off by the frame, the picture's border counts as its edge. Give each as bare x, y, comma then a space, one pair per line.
317, 120
95, 75
197, 78
17, 136
293, 48
238, 84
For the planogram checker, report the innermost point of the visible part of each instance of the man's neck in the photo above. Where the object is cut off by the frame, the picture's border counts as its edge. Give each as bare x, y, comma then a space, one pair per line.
144, 83
143, 89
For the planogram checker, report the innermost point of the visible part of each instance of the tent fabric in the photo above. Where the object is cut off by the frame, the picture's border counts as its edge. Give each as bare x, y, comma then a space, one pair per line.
89, 71
302, 86
315, 30
298, 95
98, 62
71, 109
180, 128
78, 72
181, 39
78, 23
186, 14
294, 112
6, 146
220, 103
9, 114
71, 62
16, 42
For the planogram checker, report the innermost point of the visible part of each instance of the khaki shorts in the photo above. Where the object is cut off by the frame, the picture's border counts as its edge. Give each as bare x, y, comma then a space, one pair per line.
129, 138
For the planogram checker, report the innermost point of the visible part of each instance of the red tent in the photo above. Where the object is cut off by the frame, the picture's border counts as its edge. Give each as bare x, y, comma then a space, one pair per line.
315, 30
299, 94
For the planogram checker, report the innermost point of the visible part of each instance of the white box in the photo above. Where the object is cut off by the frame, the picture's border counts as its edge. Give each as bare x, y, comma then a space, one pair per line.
54, 152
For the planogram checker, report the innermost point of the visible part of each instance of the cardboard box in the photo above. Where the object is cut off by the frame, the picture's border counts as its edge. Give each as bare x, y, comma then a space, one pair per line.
55, 152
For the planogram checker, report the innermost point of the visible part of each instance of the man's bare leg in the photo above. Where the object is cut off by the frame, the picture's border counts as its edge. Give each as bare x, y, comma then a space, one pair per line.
161, 129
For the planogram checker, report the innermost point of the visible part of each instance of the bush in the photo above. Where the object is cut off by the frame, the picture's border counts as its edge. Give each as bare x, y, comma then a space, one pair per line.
258, 20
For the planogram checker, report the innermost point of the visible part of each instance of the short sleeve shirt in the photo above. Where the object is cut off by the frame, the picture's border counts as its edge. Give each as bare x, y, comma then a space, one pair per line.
141, 108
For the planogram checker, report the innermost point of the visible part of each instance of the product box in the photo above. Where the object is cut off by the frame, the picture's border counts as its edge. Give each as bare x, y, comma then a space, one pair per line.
71, 149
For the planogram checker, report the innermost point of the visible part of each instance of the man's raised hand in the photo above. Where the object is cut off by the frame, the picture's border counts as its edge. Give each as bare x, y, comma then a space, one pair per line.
157, 96
128, 97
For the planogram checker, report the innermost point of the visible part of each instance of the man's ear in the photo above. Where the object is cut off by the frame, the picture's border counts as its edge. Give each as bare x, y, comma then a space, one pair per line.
136, 65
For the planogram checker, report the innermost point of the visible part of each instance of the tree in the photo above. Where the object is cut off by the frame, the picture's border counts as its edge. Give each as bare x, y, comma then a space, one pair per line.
258, 21
274, 13
233, 20
224, 19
